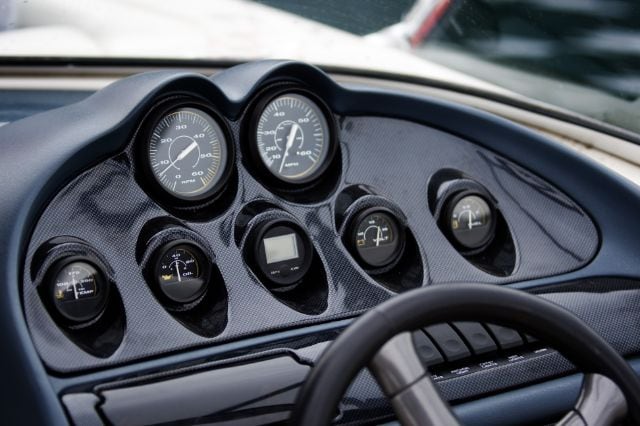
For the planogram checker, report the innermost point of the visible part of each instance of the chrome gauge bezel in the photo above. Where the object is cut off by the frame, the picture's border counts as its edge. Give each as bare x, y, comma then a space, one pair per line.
143, 142
264, 99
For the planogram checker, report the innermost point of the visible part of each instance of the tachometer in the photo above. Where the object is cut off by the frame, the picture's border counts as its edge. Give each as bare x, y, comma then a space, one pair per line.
188, 153
293, 138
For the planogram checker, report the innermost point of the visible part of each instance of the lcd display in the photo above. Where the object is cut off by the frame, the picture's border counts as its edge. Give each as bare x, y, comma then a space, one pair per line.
281, 248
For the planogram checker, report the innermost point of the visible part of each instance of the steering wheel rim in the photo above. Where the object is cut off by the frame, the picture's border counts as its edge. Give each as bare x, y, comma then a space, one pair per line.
358, 344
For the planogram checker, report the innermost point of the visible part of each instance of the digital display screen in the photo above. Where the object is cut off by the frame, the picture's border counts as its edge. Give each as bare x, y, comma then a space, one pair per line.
281, 248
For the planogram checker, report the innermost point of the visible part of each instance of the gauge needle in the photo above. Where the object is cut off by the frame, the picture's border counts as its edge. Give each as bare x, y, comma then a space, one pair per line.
178, 272
181, 156
75, 290
290, 139
378, 236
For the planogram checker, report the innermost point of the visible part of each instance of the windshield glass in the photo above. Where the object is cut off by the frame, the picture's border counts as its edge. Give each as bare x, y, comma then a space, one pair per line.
581, 55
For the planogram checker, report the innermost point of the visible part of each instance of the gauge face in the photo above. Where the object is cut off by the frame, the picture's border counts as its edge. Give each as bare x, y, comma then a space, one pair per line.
78, 291
181, 272
293, 138
282, 252
188, 153
471, 221
377, 238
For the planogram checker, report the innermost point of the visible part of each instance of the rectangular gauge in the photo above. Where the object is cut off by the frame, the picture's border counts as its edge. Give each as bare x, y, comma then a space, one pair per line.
281, 248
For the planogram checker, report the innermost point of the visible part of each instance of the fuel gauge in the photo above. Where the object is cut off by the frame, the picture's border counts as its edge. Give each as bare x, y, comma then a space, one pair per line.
471, 221
377, 238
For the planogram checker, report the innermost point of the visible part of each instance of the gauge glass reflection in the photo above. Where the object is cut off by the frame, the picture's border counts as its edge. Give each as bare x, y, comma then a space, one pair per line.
292, 137
471, 221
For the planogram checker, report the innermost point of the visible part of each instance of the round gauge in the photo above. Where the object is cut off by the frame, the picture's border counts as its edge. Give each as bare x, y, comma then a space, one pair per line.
283, 253
293, 138
377, 238
471, 221
182, 272
187, 153
78, 290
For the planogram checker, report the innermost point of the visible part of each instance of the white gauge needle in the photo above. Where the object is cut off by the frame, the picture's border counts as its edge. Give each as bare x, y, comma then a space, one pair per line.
75, 290
178, 272
181, 156
378, 236
290, 139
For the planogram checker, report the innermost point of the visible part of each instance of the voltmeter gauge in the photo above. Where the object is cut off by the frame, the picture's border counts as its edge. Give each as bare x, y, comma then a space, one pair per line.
293, 138
79, 289
182, 271
188, 153
377, 238
471, 221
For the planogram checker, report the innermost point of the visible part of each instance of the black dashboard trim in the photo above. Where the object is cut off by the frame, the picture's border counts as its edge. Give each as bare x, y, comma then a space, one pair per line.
102, 126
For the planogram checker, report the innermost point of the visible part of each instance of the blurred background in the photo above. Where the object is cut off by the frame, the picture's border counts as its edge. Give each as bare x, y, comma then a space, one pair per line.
582, 55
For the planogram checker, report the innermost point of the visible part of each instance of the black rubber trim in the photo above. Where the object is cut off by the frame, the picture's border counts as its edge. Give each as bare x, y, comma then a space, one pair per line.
355, 347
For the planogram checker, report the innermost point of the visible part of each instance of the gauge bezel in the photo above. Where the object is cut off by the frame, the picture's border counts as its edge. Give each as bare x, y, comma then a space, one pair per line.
287, 282
143, 141
450, 204
264, 98
353, 231
99, 304
198, 251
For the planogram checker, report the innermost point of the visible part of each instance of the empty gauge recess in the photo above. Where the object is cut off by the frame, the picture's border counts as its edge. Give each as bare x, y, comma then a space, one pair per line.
182, 271
293, 137
377, 239
186, 151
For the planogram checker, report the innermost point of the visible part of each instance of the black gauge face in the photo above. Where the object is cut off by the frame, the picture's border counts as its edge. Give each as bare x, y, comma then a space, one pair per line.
188, 153
182, 272
471, 221
78, 291
377, 238
283, 253
293, 138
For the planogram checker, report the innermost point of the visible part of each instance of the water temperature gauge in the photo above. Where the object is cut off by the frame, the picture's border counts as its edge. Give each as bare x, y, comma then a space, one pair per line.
471, 221
377, 238
79, 289
182, 271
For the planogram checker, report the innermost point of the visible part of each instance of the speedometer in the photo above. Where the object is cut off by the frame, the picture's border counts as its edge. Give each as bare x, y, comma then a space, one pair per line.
187, 152
293, 138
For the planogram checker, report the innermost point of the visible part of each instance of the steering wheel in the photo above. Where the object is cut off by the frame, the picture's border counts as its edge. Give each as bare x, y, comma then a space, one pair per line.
381, 340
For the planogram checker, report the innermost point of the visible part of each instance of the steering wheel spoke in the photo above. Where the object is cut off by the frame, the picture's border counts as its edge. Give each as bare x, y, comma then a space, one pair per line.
404, 380
601, 402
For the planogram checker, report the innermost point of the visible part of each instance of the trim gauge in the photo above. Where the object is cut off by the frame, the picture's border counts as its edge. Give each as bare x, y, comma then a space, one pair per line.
377, 238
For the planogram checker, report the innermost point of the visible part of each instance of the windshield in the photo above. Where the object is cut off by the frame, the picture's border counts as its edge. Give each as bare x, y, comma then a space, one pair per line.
581, 55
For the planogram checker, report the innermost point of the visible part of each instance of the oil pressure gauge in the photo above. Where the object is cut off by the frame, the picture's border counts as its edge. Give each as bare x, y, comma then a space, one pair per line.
377, 238
182, 271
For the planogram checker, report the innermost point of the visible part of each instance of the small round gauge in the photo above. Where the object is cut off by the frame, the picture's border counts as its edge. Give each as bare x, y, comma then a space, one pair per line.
187, 152
471, 221
283, 253
293, 138
377, 238
78, 290
182, 272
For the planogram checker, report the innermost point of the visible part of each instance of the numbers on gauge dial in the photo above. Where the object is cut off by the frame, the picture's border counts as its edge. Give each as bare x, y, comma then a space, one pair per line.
293, 138
187, 153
